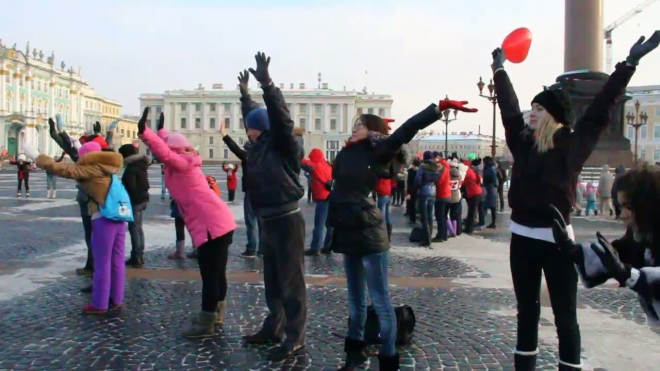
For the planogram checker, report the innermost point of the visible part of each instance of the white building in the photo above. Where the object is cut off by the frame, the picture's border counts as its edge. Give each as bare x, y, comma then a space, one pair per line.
648, 145
462, 144
326, 115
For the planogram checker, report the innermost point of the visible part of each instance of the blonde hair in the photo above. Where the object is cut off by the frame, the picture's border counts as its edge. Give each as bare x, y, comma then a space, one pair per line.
545, 133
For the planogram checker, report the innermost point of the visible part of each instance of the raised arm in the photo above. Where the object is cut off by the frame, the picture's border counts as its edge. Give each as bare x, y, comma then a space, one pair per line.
247, 104
512, 117
307, 166
73, 171
158, 147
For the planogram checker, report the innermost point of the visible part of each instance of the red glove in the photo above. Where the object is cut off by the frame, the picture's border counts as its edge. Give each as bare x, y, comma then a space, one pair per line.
453, 104
387, 122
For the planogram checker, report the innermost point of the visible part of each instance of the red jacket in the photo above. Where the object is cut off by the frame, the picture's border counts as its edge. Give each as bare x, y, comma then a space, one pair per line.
384, 187
472, 183
321, 172
442, 188
232, 182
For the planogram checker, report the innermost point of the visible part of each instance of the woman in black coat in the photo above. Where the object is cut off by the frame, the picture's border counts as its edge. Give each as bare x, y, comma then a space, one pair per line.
359, 229
547, 158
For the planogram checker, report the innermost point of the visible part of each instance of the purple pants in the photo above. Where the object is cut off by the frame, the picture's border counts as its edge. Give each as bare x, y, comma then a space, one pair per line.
108, 244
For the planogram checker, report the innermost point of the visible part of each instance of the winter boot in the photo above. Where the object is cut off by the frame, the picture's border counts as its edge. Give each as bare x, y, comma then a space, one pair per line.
563, 366
18, 195
203, 327
524, 362
389, 232
355, 354
220, 313
48, 193
390, 363
179, 252
54, 194
27, 194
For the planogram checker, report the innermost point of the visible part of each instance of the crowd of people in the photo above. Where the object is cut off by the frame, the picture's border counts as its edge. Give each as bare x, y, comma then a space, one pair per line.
353, 196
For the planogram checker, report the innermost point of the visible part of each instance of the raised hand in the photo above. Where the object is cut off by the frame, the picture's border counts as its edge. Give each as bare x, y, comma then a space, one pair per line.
97, 128
261, 73
223, 130
60, 123
641, 48
142, 123
243, 79
113, 125
446, 104
51, 127
498, 59
609, 257
562, 239
161, 121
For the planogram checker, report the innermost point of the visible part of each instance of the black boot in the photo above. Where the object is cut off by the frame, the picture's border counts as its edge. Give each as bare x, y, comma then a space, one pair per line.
569, 367
390, 363
389, 232
355, 354
524, 363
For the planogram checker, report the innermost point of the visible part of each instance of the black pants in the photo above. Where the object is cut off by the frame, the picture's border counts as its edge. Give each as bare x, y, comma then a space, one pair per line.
400, 194
309, 192
441, 207
617, 209
180, 229
26, 181
481, 208
412, 207
493, 215
529, 258
212, 258
500, 193
284, 277
231, 193
472, 203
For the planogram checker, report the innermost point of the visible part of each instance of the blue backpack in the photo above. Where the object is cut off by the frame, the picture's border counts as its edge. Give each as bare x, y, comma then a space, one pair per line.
117, 204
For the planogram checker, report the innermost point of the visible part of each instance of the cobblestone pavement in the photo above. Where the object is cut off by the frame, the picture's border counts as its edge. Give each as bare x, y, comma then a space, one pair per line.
467, 324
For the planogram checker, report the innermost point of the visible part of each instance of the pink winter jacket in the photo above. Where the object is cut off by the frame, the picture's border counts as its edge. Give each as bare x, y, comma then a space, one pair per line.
202, 210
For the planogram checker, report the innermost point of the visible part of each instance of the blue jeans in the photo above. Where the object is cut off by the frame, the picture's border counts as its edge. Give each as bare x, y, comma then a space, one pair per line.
426, 204
252, 225
384, 203
319, 233
372, 270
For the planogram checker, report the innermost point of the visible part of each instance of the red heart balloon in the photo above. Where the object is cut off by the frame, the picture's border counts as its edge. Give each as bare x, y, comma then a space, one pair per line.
516, 45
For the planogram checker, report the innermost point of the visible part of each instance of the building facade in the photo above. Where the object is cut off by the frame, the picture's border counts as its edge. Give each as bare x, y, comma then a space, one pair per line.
326, 115
463, 144
648, 145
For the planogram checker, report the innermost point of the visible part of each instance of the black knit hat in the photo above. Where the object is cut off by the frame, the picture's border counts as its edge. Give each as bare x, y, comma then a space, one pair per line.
556, 103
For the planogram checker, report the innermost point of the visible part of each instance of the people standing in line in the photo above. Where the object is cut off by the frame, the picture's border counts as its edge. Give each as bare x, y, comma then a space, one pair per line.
501, 181
360, 232
51, 180
252, 223
591, 193
490, 184
456, 201
383, 191
208, 218
547, 158
275, 189
442, 198
605, 183
400, 196
618, 172
232, 182
425, 180
23, 174
321, 176
473, 194
136, 182
411, 197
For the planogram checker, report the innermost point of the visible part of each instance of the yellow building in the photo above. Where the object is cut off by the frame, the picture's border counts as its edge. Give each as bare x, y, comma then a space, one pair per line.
126, 131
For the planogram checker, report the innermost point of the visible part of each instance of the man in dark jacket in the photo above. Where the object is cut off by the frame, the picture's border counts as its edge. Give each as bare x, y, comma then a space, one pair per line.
136, 182
411, 204
274, 187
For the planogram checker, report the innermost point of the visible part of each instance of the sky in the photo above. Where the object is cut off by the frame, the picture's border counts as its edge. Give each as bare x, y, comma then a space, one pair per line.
418, 51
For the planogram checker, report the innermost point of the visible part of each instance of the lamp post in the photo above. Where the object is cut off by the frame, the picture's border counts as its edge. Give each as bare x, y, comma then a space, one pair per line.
636, 120
447, 120
492, 97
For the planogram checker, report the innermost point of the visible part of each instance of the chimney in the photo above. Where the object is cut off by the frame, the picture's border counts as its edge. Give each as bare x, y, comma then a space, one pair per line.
325, 86
217, 87
291, 87
282, 86
200, 87
302, 86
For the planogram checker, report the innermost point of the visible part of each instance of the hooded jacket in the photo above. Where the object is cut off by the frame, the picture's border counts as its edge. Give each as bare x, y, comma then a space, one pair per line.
443, 188
455, 185
426, 178
232, 182
136, 178
472, 183
320, 174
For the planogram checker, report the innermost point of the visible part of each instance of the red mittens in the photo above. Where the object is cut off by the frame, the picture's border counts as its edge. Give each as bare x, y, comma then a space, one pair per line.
446, 104
387, 122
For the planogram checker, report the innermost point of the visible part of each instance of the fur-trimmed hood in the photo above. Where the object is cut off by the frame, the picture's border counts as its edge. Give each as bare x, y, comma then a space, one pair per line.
135, 158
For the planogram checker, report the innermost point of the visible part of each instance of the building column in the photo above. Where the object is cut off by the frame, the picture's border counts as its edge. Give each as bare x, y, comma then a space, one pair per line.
51, 99
326, 118
583, 35
17, 90
3, 88
310, 116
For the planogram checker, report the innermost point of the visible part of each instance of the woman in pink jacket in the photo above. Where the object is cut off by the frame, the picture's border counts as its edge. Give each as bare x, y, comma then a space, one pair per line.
209, 220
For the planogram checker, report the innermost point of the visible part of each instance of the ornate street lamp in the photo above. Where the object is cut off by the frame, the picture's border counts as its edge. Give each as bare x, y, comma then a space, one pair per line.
492, 97
447, 120
636, 120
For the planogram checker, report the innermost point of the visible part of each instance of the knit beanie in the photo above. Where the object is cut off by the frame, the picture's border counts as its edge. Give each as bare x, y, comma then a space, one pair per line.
178, 141
257, 119
127, 150
556, 103
428, 155
89, 147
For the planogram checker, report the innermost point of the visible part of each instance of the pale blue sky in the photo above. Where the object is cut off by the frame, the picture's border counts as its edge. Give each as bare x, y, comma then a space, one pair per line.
418, 50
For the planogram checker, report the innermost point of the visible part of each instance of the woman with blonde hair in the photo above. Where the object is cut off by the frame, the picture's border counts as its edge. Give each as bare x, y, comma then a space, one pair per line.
547, 159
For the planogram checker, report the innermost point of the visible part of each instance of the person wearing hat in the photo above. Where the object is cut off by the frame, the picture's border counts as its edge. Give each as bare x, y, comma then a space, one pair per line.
22, 164
547, 158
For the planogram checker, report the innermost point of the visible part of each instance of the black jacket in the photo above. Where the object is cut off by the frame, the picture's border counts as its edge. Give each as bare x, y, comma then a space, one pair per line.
273, 162
136, 179
247, 105
410, 181
538, 180
359, 225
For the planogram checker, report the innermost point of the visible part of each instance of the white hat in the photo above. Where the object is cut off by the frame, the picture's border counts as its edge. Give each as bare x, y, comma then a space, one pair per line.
22, 157
230, 166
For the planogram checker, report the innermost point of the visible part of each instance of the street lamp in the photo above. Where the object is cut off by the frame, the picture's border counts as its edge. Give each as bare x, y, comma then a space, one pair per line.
636, 120
492, 97
447, 120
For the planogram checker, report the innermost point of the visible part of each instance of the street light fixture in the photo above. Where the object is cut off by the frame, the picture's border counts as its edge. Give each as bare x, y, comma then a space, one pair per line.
447, 120
492, 97
636, 120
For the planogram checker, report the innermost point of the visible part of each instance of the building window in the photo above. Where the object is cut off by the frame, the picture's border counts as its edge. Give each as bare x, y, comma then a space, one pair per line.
241, 123
227, 122
159, 109
183, 107
333, 124
122, 132
318, 109
198, 122
630, 132
212, 123
225, 153
642, 154
227, 107
642, 135
303, 109
331, 149
656, 155
210, 152
317, 124
370, 111
333, 109
656, 131
381, 112
302, 123
198, 107
183, 123
212, 107
359, 111
210, 140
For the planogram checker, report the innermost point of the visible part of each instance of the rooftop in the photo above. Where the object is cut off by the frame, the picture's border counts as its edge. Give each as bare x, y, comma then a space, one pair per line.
453, 137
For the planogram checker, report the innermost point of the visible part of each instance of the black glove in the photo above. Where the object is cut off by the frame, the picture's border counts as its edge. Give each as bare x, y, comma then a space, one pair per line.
243, 79
142, 124
563, 241
97, 128
641, 48
609, 257
498, 59
261, 74
161, 121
